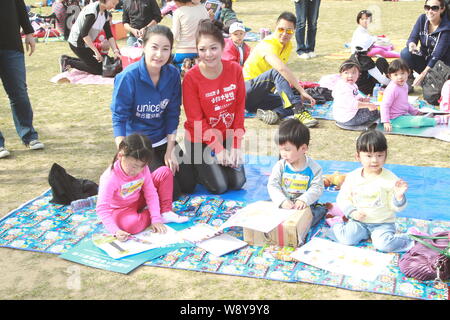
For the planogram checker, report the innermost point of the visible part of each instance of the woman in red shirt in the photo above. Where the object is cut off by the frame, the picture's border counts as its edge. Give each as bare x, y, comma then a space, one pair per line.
214, 102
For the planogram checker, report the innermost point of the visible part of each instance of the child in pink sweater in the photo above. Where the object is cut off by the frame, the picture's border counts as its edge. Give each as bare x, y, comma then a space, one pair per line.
349, 107
395, 110
130, 197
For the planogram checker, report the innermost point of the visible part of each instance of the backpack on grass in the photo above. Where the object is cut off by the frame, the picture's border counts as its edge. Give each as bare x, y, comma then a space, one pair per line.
66, 188
434, 81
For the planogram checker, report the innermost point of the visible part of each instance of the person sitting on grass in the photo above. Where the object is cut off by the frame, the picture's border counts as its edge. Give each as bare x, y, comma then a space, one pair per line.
146, 99
369, 197
350, 109
395, 110
266, 69
362, 36
296, 180
214, 102
130, 197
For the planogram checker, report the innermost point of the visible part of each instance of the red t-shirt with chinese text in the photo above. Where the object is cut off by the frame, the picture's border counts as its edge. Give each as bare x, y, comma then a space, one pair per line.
214, 108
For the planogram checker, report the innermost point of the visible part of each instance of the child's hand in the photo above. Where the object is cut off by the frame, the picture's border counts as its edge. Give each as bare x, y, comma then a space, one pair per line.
158, 227
365, 99
401, 186
287, 204
358, 215
299, 205
372, 106
387, 126
122, 235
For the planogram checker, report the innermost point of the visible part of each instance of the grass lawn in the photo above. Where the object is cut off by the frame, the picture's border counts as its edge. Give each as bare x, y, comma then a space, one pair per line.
74, 122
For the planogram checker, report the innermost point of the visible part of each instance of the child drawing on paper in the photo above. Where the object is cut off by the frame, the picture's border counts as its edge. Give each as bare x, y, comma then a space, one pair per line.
370, 197
130, 197
296, 180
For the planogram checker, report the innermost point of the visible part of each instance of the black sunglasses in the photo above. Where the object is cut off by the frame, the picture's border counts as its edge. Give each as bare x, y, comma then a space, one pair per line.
434, 8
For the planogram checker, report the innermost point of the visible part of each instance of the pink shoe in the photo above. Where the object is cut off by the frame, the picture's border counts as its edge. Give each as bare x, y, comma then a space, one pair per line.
334, 210
442, 118
334, 220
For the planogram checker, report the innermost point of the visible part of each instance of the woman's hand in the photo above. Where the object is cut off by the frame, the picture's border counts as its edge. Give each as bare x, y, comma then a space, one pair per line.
235, 158
158, 227
98, 56
136, 32
117, 54
412, 47
118, 140
387, 126
420, 78
122, 235
171, 161
221, 157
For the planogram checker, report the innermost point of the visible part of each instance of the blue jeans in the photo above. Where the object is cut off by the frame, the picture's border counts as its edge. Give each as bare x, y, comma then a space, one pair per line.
307, 12
382, 234
362, 116
259, 94
13, 76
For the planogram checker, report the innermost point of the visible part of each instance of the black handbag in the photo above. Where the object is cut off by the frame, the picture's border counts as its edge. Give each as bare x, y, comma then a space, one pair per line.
434, 81
111, 66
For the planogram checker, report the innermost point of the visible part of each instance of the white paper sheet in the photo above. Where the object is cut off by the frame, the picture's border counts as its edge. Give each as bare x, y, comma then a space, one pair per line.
208, 238
361, 263
261, 216
140, 242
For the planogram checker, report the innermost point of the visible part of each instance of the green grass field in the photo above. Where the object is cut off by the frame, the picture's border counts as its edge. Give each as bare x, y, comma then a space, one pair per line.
74, 122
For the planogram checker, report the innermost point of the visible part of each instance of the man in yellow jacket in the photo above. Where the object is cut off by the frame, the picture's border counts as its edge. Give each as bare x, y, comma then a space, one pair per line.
266, 70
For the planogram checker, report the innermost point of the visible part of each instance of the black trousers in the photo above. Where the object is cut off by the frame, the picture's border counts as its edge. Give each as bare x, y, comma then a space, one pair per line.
216, 178
86, 60
184, 179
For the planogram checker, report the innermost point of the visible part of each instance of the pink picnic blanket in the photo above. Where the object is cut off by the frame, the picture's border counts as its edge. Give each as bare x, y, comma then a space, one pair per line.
80, 77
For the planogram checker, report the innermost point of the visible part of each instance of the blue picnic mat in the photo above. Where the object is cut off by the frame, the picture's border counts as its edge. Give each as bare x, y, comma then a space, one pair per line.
41, 226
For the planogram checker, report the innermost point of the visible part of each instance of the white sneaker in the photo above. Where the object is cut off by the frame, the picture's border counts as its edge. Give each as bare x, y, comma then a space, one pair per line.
36, 145
304, 56
312, 54
4, 153
171, 216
